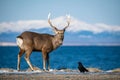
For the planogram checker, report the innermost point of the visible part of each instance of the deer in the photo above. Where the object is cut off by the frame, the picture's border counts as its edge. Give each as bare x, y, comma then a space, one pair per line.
29, 42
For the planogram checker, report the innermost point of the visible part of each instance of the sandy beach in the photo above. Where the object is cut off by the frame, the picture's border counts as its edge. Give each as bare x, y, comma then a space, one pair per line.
9, 74
110, 76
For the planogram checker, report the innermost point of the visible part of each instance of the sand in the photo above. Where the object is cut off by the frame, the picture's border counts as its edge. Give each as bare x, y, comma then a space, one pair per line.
10, 74
84, 76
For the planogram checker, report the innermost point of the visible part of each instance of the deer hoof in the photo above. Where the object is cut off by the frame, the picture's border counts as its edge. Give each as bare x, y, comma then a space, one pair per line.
45, 70
18, 70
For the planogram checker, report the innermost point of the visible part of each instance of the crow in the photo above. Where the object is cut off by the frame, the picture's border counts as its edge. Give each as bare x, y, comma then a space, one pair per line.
82, 68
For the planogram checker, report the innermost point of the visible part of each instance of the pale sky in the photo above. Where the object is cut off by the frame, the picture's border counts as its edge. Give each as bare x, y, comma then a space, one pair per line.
93, 22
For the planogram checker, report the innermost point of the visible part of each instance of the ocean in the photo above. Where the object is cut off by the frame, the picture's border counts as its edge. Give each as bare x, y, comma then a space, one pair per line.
66, 57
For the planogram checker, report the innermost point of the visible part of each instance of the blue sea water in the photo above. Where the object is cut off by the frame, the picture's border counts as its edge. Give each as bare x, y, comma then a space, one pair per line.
102, 57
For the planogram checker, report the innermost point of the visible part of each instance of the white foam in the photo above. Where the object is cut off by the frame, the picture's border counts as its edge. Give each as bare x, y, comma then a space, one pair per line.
109, 71
37, 71
3, 71
51, 71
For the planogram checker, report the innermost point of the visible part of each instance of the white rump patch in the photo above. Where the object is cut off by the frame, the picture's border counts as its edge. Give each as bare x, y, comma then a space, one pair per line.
19, 42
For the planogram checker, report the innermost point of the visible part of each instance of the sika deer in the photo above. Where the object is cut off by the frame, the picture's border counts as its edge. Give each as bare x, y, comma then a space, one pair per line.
31, 41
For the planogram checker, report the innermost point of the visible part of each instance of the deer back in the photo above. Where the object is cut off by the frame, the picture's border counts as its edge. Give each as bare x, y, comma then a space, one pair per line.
36, 41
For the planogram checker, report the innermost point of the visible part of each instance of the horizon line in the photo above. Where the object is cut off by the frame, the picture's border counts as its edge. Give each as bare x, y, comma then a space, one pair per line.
99, 44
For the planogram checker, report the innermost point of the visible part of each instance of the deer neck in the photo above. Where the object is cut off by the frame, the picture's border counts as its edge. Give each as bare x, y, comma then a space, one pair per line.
57, 40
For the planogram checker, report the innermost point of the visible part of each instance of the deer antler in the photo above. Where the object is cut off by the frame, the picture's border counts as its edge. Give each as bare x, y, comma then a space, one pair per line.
50, 22
68, 21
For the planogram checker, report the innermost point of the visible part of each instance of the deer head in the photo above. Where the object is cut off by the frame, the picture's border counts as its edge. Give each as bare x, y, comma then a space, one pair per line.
59, 34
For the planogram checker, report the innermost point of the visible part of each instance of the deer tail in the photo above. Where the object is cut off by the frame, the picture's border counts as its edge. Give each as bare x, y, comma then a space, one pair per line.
19, 41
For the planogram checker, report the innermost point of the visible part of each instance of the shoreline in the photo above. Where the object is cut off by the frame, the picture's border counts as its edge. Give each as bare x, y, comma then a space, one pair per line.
63, 74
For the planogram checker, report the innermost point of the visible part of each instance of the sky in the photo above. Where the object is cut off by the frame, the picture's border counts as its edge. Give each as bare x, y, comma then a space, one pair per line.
92, 22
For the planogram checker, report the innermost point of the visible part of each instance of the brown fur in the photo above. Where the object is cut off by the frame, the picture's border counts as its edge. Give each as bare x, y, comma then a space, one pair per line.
31, 41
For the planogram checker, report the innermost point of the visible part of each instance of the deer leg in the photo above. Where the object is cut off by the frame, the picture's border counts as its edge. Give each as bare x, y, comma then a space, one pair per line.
48, 63
19, 58
27, 58
44, 61
44, 64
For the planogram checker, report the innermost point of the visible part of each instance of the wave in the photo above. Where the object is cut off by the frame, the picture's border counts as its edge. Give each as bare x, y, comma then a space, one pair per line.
54, 71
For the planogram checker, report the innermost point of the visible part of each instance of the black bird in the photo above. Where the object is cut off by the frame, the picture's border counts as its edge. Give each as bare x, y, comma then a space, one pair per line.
81, 67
